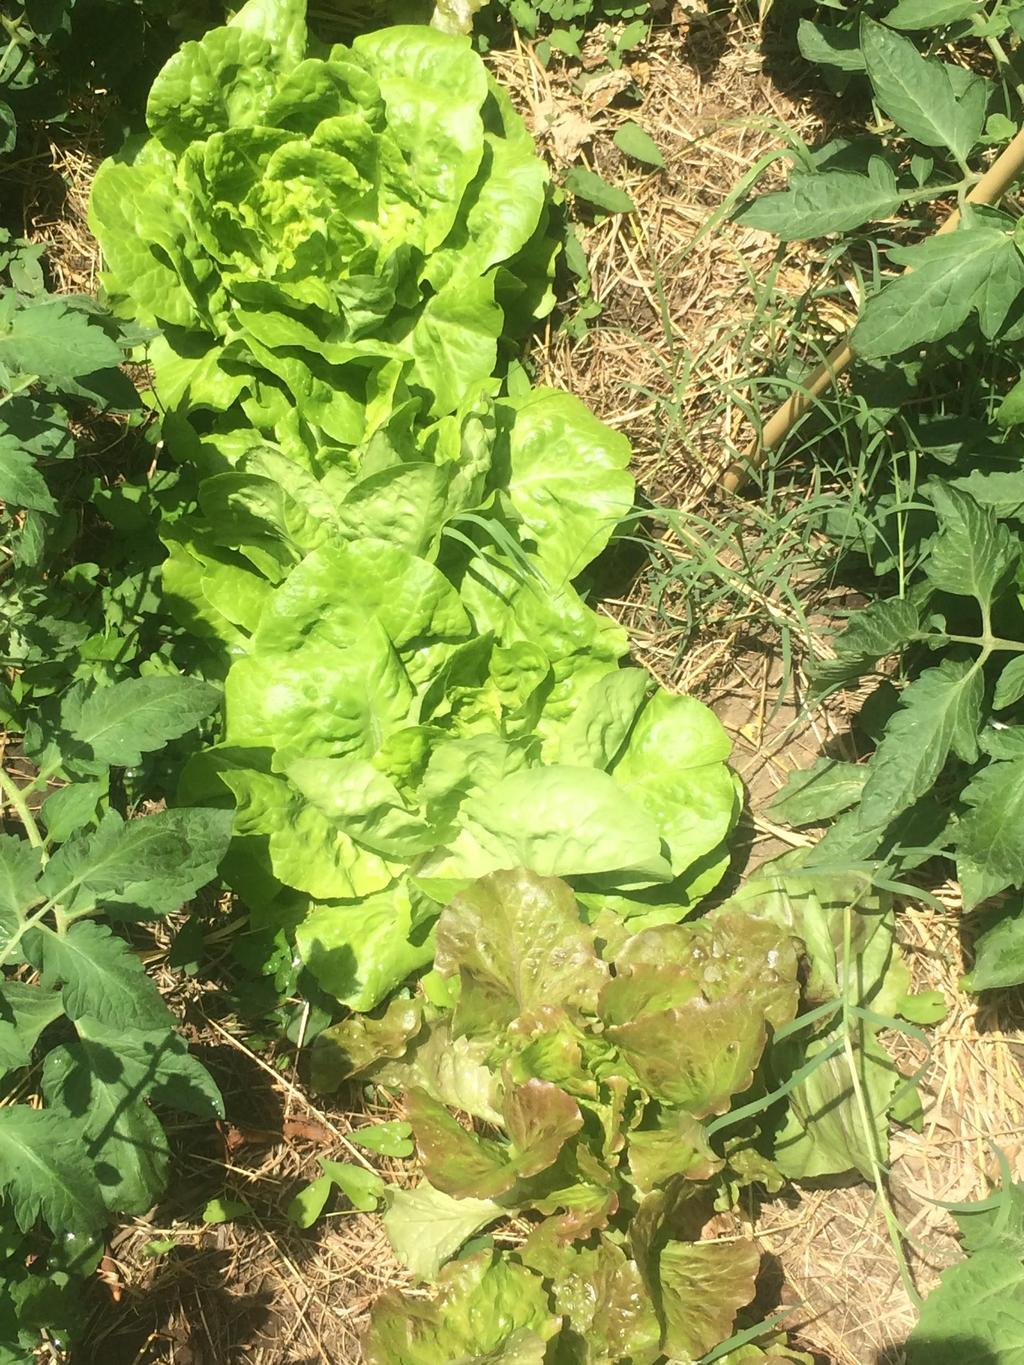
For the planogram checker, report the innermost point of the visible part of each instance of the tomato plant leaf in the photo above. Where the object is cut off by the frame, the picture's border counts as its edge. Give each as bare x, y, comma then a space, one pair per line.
973, 554
999, 953
991, 831
977, 269
918, 94
1009, 684
25, 1011
923, 14
119, 724
21, 483
940, 711
817, 203
99, 974
815, 794
980, 1300
45, 1172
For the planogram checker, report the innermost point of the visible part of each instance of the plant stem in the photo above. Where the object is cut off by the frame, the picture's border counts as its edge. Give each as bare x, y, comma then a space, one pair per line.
15, 798
867, 1119
989, 644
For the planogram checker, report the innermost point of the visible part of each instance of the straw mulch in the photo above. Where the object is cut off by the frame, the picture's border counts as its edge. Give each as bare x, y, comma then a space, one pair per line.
684, 331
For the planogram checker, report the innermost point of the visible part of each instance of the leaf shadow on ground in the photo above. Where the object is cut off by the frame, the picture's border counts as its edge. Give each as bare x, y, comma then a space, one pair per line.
946, 1350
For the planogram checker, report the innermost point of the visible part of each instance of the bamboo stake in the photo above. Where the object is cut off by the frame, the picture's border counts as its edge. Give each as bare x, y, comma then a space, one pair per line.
992, 186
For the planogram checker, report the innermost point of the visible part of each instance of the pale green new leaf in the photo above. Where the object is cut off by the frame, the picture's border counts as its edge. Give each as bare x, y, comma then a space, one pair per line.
559, 821
426, 1227
568, 480
360, 952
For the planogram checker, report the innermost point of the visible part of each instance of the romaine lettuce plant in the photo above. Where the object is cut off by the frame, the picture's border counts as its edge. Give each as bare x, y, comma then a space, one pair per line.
325, 238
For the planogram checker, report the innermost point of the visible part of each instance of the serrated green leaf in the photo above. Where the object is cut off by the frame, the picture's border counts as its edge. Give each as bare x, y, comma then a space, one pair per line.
819, 792
45, 1173
881, 629
991, 832
973, 553
69, 809
821, 202
157, 1064
631, 139
920, 14
24, 1012
940, 711
119, 724
122, 1138
917, 93
594, 189
997, 1222
202, 837
1010, 684
151, 865
973, 270
21, 484
999, 954
20, 866
99, 974
55, 341
979, 1302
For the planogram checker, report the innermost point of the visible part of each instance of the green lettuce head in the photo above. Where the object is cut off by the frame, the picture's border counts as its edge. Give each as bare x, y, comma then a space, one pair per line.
323, 237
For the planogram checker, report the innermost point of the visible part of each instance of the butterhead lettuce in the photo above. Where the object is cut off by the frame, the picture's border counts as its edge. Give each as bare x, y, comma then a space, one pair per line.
320, 234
